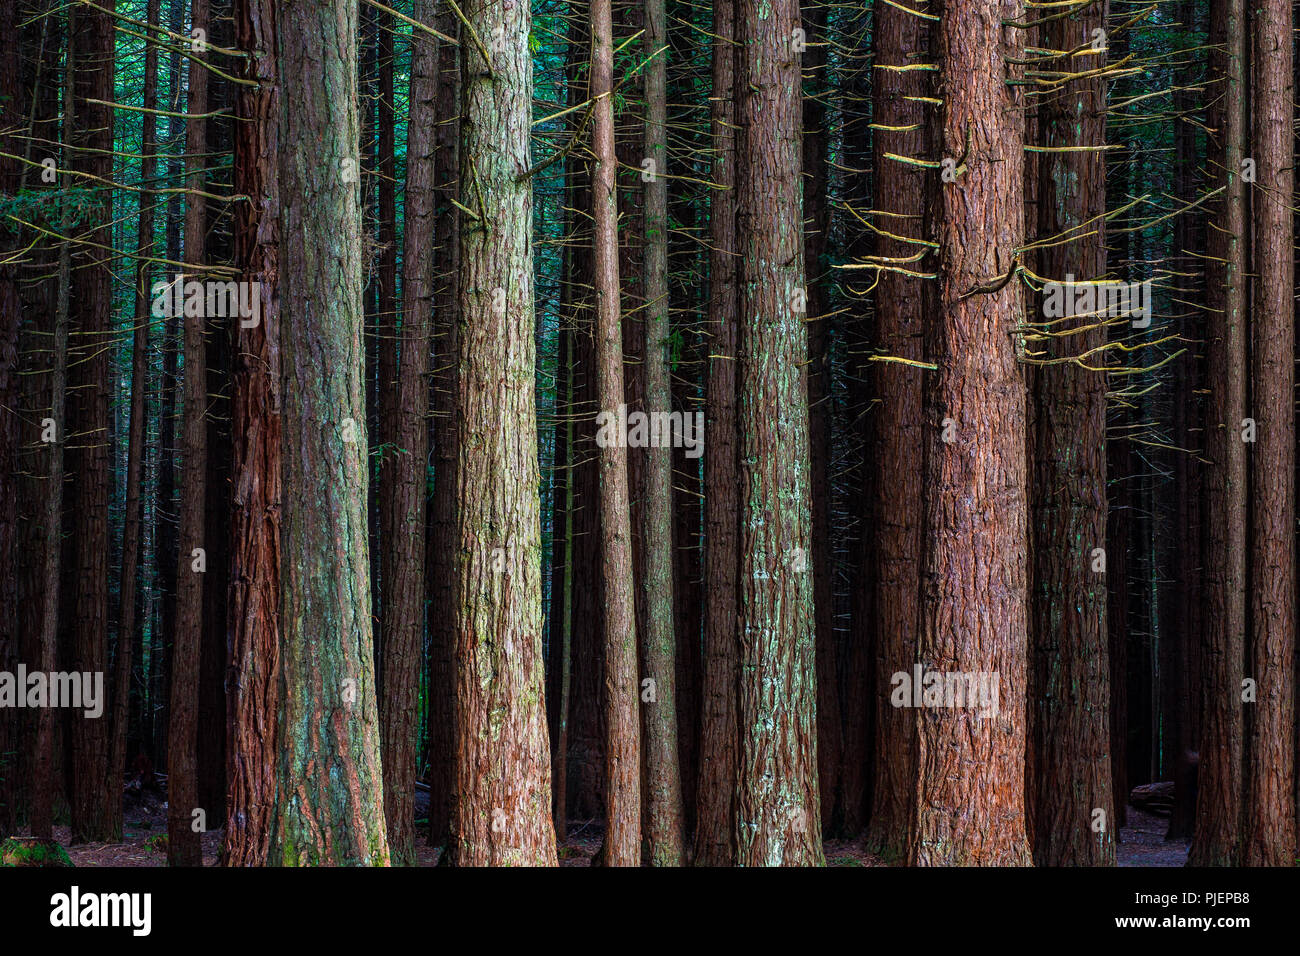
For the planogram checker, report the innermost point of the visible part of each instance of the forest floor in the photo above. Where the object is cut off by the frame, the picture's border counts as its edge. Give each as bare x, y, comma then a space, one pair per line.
1142, 843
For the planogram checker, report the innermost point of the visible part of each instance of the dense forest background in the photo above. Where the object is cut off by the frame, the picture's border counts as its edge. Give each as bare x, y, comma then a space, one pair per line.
366, 578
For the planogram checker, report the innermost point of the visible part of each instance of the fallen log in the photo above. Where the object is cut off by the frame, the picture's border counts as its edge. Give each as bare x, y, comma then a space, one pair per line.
1157, 798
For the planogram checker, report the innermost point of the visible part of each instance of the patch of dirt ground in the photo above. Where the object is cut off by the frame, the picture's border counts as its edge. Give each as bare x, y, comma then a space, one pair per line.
1142, 843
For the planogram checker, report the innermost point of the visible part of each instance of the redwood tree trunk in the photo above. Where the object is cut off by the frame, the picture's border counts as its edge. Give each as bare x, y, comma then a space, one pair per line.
715, 833
1217, 836
830, 730
968, 807
11, 111
253, 675
135, 450
329, 803
1070, 682
404, 582
502, 811
441, 564
95, 786
622, 845
1270, 824
896, 459
778, 809
42, 757
663, 811
184, 826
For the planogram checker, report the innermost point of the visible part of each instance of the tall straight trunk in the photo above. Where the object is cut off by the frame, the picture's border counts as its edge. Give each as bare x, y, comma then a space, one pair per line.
1183, 547
441, 565
253, 677
184, 846
329, 806
664, 822
95, 786
830, 731
11, 118
968, 807
559, 678
1217, 835
1118, 532
562, 592
1270, 824
896, 457
715, 836
502, 810
858, 324
220, 337
369, 159
404, 582
1070, 679
386, 317
622, 733
778, 809
165, 554
41, 814
139, 386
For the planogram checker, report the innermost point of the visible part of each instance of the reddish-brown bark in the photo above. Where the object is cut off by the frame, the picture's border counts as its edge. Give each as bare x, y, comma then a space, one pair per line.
440, 583
1217, 835
1069, 690
404, 581
94, 783
777, 812
183, 815
622, 846
1270, 824
253, 675
715, 837
968, 807
897, 421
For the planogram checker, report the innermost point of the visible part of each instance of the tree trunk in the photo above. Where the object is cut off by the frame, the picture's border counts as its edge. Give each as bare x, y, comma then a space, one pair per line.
969, 808
328, 773
777, 814
664, 821
1270, 824
715, 836
43, 778
622, 733
896, 457
830, 731
11, 99
1216, 838
562, 591
404, 583
441, 565
135, 453
1070, 681
253, 678
184, 822
386, 324
502, 811
95, 787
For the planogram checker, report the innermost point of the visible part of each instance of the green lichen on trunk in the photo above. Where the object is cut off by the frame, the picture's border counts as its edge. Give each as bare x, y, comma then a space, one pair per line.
502, 806
329, 777
778, 808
